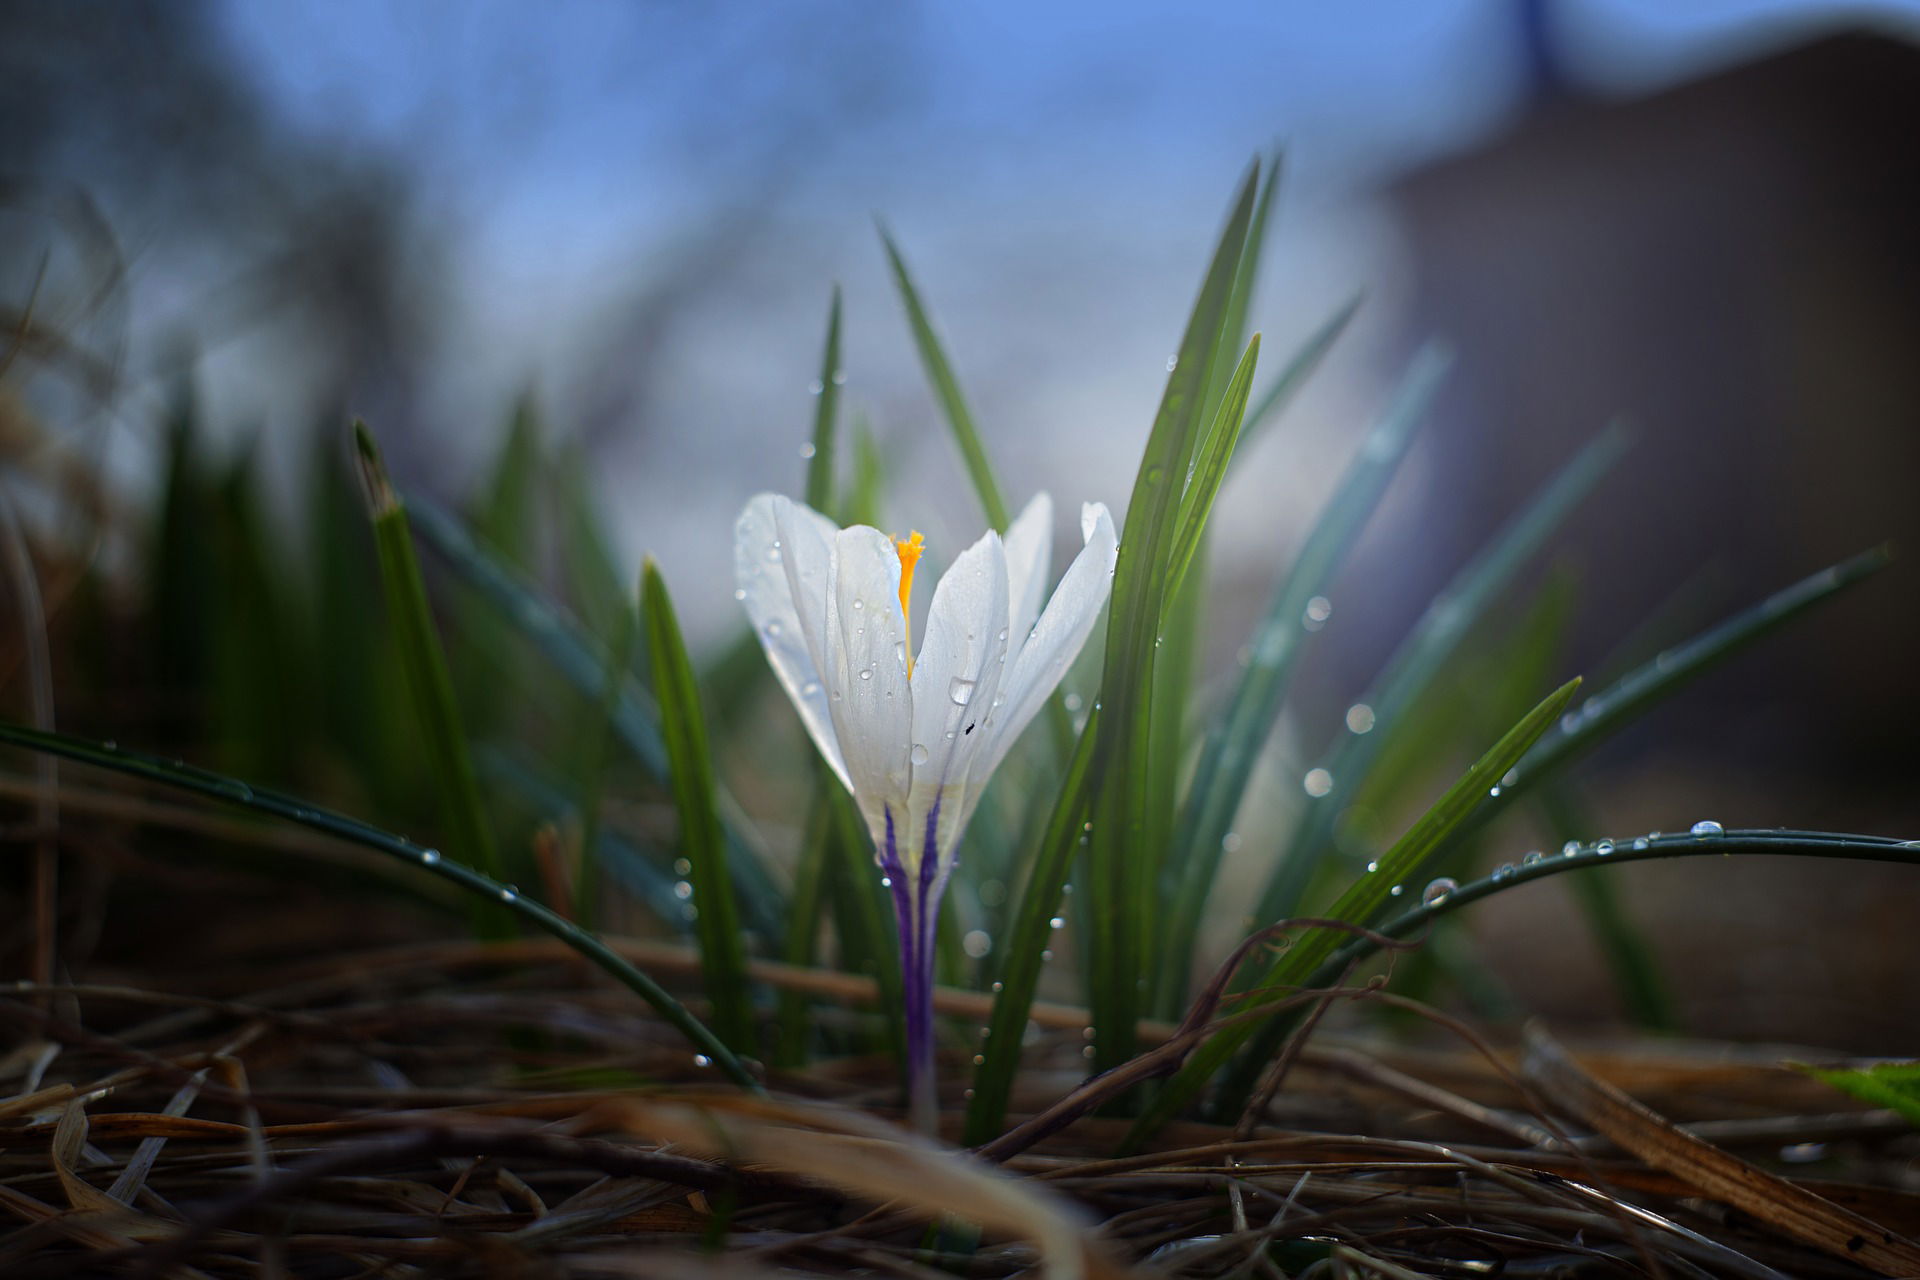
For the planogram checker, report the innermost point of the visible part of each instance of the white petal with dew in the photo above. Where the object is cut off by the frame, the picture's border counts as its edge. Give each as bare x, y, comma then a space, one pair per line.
957, 681
1063, 628
866, 671
1029, 558
782, 555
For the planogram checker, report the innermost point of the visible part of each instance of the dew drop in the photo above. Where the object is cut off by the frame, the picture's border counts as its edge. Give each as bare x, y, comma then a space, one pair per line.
866, 673
815, 387
1057, 922
1359, 718
1396, 891
807, 450
430, 856
1046, 955
773, 554
961, 691
886, 882
1087, 1052
1230, 842
1373, 866
1437, 892
1317, 782
702, 1060
979, 1058
1073, 701
508, 895
682, 890
918, 755
1173, 362
1706, 829
1603, 847
773, 631
810, 689
739, 593
839, 377
998, 987
682, 867
976, 943
1570, 848
1493, 792
1641, 842
1503, 872
859, 604
1318, 610
1533, 859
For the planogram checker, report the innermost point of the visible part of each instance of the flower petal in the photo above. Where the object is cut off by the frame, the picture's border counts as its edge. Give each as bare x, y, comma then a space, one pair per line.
1057, 638
956, 690
1029, 557
782, 554
865, 669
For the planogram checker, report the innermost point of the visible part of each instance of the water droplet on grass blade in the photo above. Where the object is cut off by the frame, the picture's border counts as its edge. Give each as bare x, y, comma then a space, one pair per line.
1603, 847
1438, 891
1706, 829
430, 856
1503, 872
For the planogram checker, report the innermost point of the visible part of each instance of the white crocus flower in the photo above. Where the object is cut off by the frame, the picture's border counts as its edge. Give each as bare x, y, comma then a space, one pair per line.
916, 736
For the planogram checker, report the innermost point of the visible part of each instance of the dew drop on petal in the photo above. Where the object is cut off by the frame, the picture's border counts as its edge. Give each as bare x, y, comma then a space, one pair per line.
859, 604
773, 631
739, 593
961, 691
810, 688
918, 755
866, 673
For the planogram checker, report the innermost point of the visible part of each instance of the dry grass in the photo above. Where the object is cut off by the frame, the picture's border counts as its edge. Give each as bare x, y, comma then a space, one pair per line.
443, 1109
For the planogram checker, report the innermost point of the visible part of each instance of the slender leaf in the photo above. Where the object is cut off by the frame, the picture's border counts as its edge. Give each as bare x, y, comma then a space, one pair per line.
273, 804
1210, 468
1025, 941
1123, 864
463, 814
946, 389
581, 661
723, 960
597, 737
825, 411
1433, 640
1297, 371
1363, 902
1893, 1085
1248, 715
812, 875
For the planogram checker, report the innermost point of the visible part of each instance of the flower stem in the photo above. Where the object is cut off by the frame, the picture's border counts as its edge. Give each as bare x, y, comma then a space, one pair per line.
916, 905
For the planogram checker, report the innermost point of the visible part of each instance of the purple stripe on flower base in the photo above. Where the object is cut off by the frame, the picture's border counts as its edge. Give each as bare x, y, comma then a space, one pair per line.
916, 908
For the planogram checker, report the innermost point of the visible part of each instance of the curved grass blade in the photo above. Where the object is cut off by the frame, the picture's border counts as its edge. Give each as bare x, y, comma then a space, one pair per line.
723, 959
1024, 942
946, 389
582, 662
1124, 862
826, 407
462, 812
1610, 853
1654, 681
1420, 657
1364, 901
1210, 468
183, 777
1247, 717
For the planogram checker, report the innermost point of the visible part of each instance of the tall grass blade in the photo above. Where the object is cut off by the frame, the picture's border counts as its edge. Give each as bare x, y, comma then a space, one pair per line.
463, 814
723, 960
1420, 657
1024, 943
259, 800
1210, 468
582, 662
1123, 864
597, 737
812, 877
1248, 715
1363, 902
946, 389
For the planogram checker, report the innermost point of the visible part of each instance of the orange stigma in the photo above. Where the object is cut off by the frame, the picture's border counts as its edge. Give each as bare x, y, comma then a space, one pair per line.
910, 549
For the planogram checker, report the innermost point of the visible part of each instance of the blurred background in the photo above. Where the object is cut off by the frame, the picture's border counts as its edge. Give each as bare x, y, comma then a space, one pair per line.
1696, 217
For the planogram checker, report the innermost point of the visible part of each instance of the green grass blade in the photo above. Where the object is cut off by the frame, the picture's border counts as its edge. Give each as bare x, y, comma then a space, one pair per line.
1657, 680
723, 960
462, 812
272, 804
812, 876
946, 389
1432, 642
1210, 468
1233, 326
1021, 946
1124, 864
863, 916
826, 408
1294, 376
1362, 903
581, 661
1893, 1085
595, 586
1248, 715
